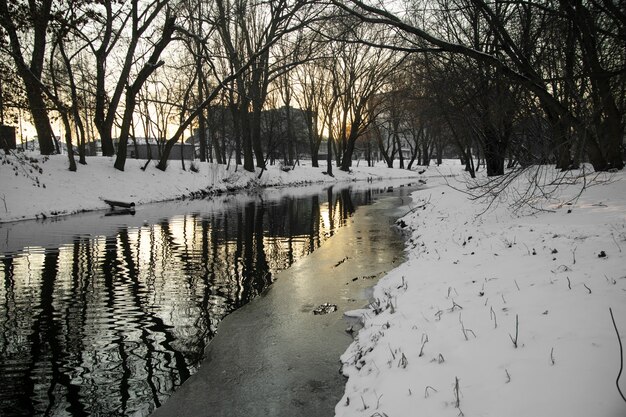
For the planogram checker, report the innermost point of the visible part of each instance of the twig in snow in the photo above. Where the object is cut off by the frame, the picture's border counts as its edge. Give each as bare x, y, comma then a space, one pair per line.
426, 391
495, 319
508, 376
621, 355
422, 349
464, 330
393, 355
418, 207
404, 284
449, 290
463, 327
365, 407
457, 402
612, 235
4, 200
574, 255
455, 305
552, 356
514, 340
378, 399
516, 285
503, 300
588, 289
403, 362
569, 283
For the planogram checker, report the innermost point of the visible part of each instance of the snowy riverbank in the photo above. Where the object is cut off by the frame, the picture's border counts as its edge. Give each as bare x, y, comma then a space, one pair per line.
491, 315
44, 187
498, 315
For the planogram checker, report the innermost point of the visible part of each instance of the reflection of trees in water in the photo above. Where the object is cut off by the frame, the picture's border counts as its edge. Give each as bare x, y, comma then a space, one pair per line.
111, 325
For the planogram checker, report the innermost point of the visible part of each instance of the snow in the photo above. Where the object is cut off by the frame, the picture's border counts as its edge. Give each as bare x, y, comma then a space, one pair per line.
449, 313
439, 338
33, 186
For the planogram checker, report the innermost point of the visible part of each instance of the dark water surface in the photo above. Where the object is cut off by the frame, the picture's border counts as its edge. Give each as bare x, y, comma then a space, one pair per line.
107, 315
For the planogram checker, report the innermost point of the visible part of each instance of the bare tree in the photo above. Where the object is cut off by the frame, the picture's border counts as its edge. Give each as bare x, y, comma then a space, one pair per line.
512, 59
248, 32
310, 81
359, 73
33, 18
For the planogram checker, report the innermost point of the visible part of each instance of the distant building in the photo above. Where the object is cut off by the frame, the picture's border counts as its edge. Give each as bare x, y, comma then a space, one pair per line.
7, 137
151, 148
154, 150
284, 131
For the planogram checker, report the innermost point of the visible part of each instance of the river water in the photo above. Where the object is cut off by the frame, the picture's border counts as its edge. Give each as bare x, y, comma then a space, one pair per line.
108, 315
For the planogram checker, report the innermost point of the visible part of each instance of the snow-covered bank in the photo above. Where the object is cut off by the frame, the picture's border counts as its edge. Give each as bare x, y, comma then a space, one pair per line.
36, 186
497, 315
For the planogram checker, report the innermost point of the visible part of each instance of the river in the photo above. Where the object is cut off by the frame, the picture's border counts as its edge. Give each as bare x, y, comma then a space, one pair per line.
108, 315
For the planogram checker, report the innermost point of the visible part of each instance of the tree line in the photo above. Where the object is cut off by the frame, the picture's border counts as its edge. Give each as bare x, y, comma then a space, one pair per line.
503, 82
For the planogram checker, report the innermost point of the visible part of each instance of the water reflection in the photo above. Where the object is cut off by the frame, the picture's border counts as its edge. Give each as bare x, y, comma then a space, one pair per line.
110, 325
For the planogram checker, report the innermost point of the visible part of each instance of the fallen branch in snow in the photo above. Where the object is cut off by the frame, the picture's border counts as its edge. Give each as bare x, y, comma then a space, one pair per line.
529, 188
422, 206
621, 356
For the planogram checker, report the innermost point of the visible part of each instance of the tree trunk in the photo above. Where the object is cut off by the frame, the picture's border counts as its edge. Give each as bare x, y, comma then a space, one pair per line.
31, 74
148, 68
346, 160
329, 157
68, 140
246, 140
495, 152
38, 110
201, 125
400, 155
257, 145
425, 152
